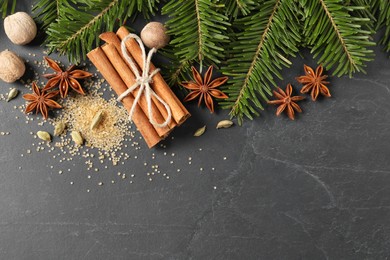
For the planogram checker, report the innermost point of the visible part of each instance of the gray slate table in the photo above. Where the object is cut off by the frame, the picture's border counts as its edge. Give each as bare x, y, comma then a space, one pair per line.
316, 188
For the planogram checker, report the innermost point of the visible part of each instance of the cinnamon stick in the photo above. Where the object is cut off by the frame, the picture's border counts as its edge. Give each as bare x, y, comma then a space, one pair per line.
112, 38
179, 112
101, 62
129, 79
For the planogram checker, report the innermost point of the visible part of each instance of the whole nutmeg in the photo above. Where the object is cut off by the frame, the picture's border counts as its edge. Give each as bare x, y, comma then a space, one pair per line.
154, 35
12, 67
20, 28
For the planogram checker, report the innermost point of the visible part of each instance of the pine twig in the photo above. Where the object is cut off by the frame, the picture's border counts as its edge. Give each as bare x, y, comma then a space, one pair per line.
337, 35
258, 55
198, 30
7, 7
382, 12
47, 11
235, 8
77, 26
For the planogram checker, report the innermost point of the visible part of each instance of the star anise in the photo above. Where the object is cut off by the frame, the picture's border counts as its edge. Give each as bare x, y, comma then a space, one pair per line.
64, 79
204, 89
41, 101
285, 100
314, 82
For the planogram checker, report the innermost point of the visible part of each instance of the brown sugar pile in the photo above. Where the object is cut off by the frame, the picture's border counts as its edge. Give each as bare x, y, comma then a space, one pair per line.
108, 136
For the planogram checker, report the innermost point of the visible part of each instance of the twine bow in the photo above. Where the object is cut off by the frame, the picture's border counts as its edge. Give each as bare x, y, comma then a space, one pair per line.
143, 81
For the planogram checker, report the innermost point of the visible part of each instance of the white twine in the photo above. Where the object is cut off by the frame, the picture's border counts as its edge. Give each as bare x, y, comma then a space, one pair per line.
143, 82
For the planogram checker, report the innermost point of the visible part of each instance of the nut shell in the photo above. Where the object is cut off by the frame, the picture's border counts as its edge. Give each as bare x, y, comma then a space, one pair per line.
12, 66
20, 28
154, 35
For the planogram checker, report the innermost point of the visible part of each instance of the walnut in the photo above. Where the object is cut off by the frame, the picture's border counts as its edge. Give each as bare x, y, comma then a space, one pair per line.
12, 67
154, 35
20, 28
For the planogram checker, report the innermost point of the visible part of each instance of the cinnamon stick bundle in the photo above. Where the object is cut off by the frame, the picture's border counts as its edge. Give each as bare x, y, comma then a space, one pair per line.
110, 61
102, 63
129, 79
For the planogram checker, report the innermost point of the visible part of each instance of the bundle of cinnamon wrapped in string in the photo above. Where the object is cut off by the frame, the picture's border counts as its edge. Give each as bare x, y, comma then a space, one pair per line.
109, 60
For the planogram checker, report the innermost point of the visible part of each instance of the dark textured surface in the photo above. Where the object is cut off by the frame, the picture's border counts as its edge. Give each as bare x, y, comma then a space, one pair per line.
316, 188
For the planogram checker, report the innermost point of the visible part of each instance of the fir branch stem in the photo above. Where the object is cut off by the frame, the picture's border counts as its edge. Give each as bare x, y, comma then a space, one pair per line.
178, 71
58, 7
200, 41
239, 4
258, 50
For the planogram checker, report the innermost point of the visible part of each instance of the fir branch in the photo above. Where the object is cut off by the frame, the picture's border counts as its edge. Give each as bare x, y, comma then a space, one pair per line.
175, 70
7, 7
47, 11
78, 26
234, 8
338, 35
198, 30
74, 32
365, 12
179, 73
258, 54
383, 14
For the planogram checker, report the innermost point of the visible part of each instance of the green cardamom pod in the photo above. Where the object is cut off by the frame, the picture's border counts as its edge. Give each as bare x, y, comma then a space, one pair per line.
59, 128
200, 131
224, 124
97, 119
44, 136
12, 94
77, 138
